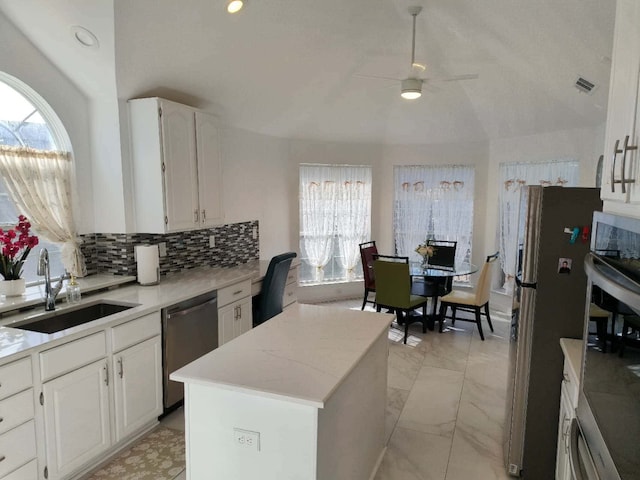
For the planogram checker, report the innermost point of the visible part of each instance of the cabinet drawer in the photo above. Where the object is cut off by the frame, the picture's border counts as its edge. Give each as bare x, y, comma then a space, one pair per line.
570, 383
17, 447
234, 292
290, 294
292, 276
15, 377
72, 355
16, 410
26, 472
135, 331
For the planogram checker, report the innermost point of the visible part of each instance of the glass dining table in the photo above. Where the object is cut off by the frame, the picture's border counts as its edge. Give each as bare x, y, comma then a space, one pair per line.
440, 276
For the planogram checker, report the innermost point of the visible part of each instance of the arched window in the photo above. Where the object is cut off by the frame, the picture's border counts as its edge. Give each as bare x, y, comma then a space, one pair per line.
26, 120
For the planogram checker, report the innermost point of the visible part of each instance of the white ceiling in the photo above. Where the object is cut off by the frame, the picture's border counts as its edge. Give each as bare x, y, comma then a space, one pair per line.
290, 68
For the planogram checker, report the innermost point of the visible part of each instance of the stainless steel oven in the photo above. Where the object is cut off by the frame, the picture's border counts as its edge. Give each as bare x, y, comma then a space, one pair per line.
607, 432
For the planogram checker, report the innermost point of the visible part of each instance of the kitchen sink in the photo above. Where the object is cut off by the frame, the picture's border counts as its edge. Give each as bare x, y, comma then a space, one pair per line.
63, 319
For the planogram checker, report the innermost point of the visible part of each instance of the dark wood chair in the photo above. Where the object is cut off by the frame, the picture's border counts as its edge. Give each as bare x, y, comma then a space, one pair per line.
475, 301
368, 251
393, 284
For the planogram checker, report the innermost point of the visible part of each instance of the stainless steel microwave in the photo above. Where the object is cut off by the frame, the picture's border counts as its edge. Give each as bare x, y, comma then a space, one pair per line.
607, 432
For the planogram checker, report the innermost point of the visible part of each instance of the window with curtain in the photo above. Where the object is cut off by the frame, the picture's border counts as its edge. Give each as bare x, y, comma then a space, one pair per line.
513, 176
335, 217
433, 202
35, 177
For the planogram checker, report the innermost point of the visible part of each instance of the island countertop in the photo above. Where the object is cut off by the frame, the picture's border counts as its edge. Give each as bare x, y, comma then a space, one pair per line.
301, 355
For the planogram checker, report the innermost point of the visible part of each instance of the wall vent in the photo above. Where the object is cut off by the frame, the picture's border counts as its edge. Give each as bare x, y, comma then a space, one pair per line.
585, 86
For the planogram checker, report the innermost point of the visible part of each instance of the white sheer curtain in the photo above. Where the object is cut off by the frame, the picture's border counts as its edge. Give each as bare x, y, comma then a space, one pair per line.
40, 184
335, 205
513, 176
353, 212
433, 202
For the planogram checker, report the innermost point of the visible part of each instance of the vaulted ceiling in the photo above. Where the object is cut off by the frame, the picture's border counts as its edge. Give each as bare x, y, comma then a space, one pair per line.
298, 69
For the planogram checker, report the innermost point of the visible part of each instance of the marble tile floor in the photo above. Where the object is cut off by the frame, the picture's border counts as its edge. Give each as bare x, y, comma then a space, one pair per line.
446, 402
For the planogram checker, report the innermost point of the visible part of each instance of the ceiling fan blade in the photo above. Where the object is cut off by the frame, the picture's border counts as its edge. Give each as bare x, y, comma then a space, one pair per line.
377, 77
453, 78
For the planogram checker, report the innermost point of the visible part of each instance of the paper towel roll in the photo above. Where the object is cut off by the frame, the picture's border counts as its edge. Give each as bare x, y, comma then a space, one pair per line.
148, 262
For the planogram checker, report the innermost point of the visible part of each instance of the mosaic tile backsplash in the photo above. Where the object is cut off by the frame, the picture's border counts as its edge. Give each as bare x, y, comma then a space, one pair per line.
114, 253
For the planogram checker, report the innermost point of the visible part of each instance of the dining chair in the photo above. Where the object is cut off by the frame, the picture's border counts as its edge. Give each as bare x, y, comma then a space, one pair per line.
268, 303
474, 301
367, 251
393, 291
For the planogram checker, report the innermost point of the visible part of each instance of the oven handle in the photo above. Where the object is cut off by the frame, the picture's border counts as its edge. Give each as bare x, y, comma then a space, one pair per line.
576, 473
578, 450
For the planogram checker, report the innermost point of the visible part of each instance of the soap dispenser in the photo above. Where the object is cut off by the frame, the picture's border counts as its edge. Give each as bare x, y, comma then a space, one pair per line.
73, 290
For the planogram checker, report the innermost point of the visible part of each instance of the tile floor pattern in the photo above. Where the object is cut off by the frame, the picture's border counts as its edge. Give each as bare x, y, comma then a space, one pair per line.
446, 402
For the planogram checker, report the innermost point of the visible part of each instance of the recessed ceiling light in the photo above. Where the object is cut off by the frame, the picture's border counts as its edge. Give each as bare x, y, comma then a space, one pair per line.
84, 37
234, 6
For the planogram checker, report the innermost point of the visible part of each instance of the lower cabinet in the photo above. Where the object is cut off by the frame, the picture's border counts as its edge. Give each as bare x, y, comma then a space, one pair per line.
563, 470
137, 386
83, 397
234, 320
76, 417
568, 402
235, 315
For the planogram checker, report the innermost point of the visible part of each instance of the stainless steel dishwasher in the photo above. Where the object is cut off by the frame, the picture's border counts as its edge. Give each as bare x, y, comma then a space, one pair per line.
189, 330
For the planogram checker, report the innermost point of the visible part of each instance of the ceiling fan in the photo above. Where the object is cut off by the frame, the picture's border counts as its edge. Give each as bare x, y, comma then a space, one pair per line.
411, 87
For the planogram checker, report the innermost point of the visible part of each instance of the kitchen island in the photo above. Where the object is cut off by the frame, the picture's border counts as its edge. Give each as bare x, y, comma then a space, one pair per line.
302, 396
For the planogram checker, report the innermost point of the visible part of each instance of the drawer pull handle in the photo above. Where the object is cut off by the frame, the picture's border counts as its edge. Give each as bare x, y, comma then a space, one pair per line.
120, 368
2, 458
1, 419
237, 292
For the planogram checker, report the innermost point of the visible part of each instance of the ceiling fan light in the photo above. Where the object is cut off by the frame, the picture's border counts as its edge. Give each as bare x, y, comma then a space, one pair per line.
234, 6
411, 88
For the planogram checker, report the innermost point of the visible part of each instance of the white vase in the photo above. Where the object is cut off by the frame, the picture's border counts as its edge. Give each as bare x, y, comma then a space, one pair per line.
12, 288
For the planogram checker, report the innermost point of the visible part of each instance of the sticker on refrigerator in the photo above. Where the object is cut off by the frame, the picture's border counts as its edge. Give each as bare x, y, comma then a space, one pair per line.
564, 266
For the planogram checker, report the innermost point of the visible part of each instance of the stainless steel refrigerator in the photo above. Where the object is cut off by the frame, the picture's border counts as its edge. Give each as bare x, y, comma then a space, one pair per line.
551, 306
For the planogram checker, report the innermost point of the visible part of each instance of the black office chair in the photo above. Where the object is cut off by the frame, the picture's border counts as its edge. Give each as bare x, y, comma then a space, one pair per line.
268, 303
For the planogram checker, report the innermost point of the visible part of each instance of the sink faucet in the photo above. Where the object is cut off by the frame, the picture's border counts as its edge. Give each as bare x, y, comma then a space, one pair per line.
50, 292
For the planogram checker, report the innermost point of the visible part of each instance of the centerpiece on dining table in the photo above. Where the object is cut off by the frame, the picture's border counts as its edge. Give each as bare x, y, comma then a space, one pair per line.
426, 251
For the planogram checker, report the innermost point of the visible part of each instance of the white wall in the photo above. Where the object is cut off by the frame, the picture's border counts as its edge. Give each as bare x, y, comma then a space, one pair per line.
584, 145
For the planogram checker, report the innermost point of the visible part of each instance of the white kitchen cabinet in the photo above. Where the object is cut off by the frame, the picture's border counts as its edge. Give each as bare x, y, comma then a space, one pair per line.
290, 295
177, 168
82, 379
137, 386
235, 315
568, 403
622, 131
76, 417
209, 170
17, 427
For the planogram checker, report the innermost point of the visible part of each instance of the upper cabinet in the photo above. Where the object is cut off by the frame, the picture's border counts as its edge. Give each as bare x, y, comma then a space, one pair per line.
621, 173
177, 167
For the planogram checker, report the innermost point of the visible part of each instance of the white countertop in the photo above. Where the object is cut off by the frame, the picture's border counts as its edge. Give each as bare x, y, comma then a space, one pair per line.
301, 355
572, 349
172, 289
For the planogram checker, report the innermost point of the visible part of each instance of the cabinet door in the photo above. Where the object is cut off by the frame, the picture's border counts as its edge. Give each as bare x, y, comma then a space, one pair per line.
179, 167
76, 415
621, 111
234, 320
209, 170
138, 386
226, 321
563, 470
244, 319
